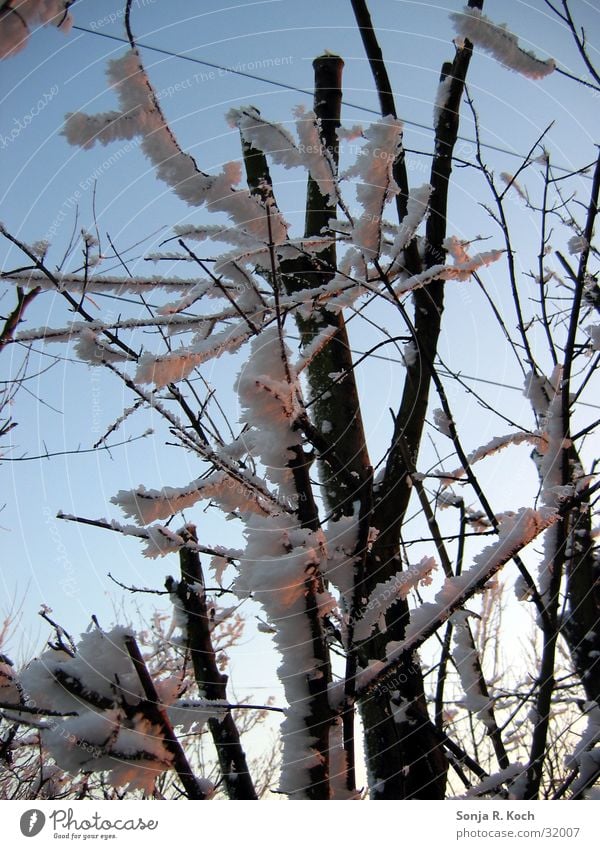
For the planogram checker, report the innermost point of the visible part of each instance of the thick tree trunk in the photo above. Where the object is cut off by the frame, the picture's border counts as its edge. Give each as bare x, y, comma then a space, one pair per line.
423, 763
333, 402
212, 684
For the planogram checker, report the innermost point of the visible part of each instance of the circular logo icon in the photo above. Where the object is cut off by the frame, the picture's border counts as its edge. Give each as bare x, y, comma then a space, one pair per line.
32, 822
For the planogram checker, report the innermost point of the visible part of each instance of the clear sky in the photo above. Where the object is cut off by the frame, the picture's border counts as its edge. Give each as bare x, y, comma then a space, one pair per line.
43, 181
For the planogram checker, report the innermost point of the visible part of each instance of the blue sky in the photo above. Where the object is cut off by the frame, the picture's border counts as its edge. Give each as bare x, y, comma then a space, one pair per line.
43, 180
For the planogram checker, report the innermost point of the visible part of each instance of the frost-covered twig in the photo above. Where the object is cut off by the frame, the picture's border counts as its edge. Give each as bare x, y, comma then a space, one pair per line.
500, 43
160, 539
13, 320
192, 786
52, 278
501, 219
559, 470
514, 534
477, 697
18, 20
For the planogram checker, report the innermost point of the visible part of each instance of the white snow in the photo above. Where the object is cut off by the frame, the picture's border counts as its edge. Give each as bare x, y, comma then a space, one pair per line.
577, 244
349, 133
410, 354
376, 185
416, 210
495, 781
9, 683
338, 765
511, 183
589, 769
180, 363
496, 40
310, 351
441, 98
385, 594
551, 447
315, 157
147, 505
100, 656
270, 138
495, 445
78, 283
19, 19
103, 736
586, 755
130, 750
538, 389
274, 569
161, 541
593, 331
442, 422
514, 533
340, 539
466, 659
91, 348
271, 401
140, 115
230, 235
459, 270
192, 715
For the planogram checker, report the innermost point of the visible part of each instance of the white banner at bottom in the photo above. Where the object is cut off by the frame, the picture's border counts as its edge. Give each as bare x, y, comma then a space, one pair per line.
266, 824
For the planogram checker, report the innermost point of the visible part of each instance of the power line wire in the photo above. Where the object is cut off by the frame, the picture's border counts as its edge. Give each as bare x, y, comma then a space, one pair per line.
288, 87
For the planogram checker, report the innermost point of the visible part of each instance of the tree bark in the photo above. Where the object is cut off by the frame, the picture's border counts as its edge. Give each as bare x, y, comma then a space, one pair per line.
211, 682
334, 402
